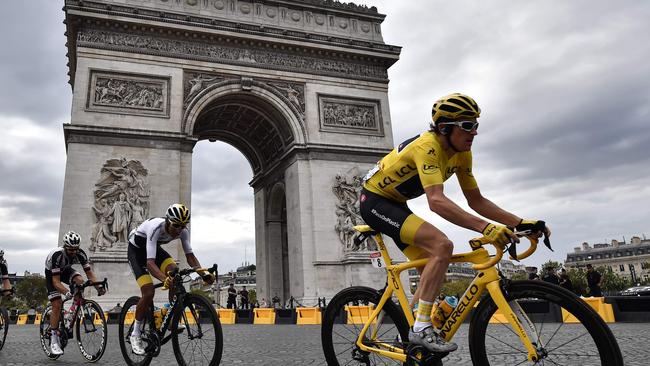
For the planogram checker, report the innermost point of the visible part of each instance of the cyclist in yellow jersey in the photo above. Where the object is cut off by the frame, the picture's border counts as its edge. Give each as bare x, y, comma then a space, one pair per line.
421, 165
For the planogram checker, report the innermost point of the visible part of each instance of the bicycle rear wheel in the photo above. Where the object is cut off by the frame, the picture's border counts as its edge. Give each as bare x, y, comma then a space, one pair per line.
125, 328
45, 332
91, 331
344, 319
4, 326
588, 341
201, 342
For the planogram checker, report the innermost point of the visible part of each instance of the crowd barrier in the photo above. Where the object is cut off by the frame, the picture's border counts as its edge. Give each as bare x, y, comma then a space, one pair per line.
611, 309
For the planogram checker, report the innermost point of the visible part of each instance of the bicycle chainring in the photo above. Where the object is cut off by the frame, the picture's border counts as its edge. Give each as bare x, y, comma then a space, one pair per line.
153, 342
418, 355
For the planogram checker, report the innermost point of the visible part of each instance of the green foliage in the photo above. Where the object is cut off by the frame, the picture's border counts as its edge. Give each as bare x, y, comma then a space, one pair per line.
252, 296
611, 282
206, 294
31, 291
519, 276
578, 279
455, 288
552, 264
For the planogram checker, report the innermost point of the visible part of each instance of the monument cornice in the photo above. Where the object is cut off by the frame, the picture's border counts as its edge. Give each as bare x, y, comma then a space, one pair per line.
204, 28
101, 135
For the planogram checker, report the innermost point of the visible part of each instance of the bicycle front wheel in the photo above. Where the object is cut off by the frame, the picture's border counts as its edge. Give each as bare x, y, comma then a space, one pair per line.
45, 332
91, 331
197, 336
4, 326
125, 328
585, 341
344, 319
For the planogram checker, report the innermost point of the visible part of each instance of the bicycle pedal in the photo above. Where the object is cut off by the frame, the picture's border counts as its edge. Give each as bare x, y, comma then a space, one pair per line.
422, 357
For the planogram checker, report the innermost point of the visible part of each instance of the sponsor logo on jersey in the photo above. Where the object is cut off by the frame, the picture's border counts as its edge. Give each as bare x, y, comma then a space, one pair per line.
429, 169
386, 182
405, 170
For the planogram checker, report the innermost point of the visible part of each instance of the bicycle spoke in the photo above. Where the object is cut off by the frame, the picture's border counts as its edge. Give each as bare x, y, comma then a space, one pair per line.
509, 345
570, 341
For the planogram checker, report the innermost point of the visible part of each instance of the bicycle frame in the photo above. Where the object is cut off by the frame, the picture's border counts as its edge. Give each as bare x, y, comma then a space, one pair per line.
486, 279
167, 319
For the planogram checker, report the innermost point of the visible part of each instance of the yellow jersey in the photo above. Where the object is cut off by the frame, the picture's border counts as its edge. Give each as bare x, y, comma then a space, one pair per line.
415, 164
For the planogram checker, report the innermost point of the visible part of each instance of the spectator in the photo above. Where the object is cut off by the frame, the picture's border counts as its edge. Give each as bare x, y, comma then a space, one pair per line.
232, 297
533, 276
550, 276
594, 281
276, 300
264, 303
565, 281
244, 298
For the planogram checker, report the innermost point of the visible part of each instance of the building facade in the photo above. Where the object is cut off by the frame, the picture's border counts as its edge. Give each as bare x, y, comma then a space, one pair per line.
630, 260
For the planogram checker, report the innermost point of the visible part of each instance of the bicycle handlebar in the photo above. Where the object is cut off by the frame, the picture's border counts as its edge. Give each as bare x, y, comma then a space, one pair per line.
88, 283
512, 249
184, 272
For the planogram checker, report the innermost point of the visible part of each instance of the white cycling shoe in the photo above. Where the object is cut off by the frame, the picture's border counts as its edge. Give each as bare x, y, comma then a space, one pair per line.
429, 339
136, 345
55, 349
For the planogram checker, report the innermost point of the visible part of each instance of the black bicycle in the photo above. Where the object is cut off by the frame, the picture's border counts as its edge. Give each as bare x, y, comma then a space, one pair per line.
195, 329
4, 319
84, 317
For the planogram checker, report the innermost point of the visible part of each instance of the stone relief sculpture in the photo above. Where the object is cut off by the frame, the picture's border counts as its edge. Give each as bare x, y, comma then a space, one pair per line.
128, 93
349, 115
283, 60
346, 188
295, 93
196, 82
121, 203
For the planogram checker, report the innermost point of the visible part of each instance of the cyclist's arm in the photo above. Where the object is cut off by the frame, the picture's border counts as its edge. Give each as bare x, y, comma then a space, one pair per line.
192, 260
488, 209
448, 210
83, 260
6, 284
58, 285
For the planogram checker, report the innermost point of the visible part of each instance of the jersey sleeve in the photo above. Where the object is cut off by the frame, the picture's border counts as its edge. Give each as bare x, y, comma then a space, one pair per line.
4, 272
152, 244
82, 257
57, 257
428, 166
465, 176
185, 241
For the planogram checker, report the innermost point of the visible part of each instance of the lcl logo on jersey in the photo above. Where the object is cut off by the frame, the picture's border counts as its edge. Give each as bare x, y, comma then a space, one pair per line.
429, 169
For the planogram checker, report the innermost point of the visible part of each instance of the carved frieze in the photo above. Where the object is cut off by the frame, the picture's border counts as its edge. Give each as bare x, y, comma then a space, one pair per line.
128, 93
346, 188
292, 93
350, 115
121, 204
244, 54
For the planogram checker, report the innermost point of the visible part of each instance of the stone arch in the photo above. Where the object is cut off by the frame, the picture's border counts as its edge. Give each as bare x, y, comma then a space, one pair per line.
276, 260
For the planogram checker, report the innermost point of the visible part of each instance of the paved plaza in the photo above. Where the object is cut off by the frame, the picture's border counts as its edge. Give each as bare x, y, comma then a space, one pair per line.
259, 345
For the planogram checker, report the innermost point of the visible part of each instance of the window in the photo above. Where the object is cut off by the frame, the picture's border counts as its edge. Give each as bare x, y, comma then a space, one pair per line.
599, 256
621, 268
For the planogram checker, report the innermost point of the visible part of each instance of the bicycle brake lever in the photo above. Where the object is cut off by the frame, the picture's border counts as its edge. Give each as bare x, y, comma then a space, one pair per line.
547, 242
512, 250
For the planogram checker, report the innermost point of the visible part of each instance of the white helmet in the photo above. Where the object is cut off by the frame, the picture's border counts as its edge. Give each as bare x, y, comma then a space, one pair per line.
71, 240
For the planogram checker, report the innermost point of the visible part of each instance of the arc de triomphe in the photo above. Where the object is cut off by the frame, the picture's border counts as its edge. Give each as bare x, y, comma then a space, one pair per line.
298, 86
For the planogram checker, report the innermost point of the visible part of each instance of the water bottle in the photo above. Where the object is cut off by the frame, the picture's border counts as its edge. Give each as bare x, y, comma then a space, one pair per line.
442, 310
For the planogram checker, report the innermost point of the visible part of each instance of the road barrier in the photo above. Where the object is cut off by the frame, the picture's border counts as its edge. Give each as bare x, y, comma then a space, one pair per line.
226, 316
264, 316
22, 319
358, 314
37, 319
630, 309
308, 316
597, 303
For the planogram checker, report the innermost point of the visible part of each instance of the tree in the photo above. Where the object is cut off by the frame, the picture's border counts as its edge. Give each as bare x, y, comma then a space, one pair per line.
455, 288
32, 291
578, 280
611, 282
252, 296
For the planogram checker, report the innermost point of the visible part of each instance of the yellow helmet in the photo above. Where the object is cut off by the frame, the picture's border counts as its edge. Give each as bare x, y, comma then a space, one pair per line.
178, 213
453, 107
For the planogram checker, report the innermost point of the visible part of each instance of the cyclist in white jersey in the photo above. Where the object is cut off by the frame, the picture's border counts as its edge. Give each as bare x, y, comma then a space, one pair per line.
58, 270
147, 258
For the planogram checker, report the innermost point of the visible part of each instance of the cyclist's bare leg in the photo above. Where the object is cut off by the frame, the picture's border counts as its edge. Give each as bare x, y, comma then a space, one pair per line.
55, 315
146, 298
416, 295
439, 250
78, 281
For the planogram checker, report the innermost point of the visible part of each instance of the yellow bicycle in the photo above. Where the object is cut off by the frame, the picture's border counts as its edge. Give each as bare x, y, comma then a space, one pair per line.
528, 328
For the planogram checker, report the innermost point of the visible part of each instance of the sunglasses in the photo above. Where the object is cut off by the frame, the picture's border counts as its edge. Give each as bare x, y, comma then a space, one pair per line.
467, 126
177, 226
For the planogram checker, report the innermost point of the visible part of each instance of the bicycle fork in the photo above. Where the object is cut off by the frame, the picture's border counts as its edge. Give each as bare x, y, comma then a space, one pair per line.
518, 320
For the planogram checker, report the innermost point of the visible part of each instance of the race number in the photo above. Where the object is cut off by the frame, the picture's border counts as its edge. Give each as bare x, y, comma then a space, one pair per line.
376, 260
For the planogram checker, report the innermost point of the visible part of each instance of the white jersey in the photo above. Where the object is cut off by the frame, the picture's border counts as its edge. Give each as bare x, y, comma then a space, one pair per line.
58, 260
153, 230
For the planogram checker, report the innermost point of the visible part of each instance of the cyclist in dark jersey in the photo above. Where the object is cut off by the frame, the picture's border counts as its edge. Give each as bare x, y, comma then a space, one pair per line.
58, 270
419, 166
4, 274
147, 258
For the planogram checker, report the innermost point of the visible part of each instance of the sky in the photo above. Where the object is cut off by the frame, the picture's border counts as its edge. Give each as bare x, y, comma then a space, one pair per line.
564, 88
